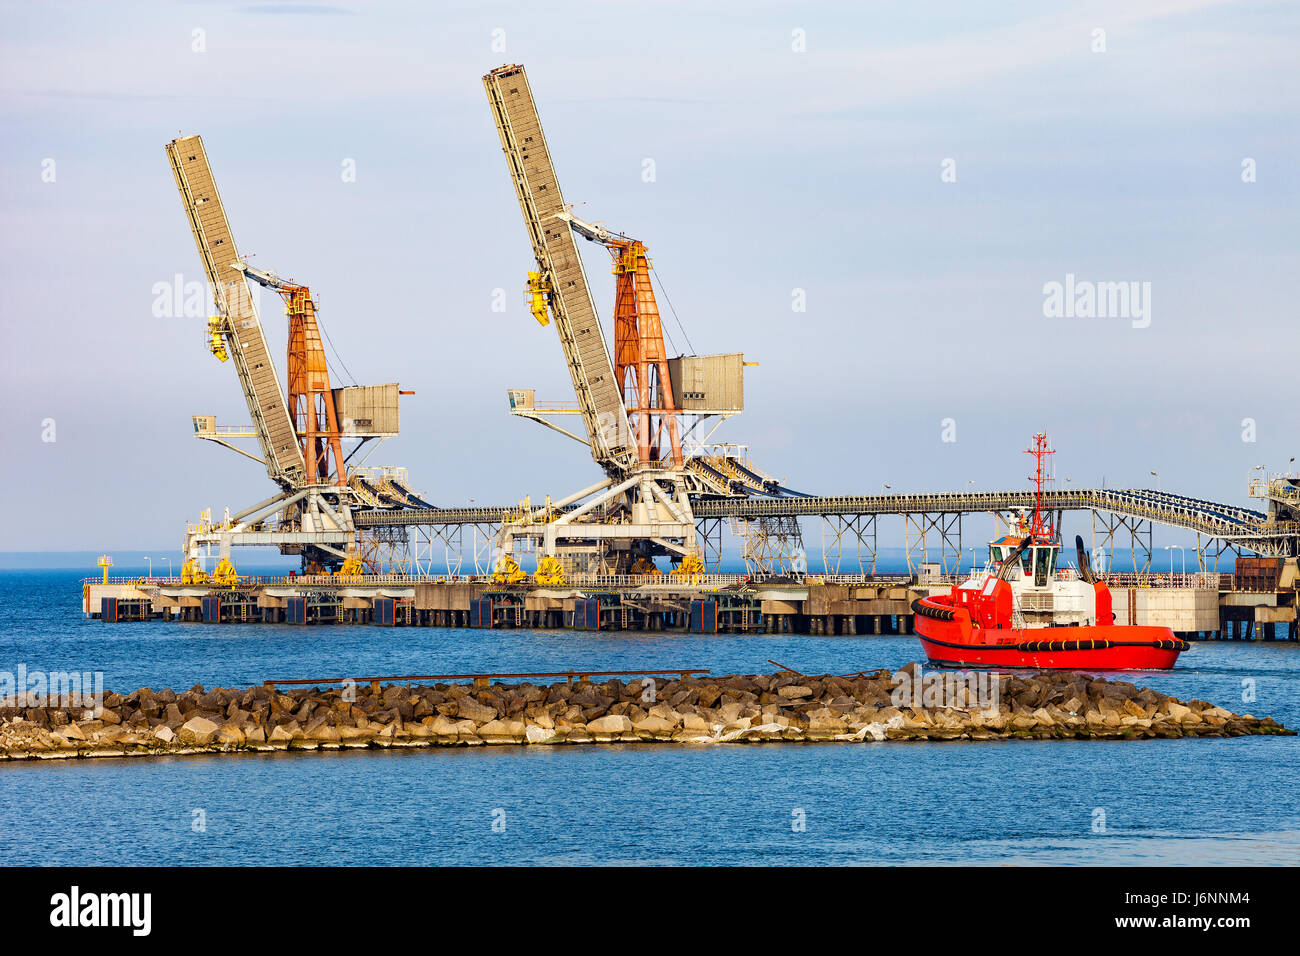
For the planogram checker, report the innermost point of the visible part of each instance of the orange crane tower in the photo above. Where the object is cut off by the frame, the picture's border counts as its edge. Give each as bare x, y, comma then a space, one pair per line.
311, 401
640, 358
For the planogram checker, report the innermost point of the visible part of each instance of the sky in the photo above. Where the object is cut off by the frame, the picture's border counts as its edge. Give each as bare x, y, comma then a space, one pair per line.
916, 174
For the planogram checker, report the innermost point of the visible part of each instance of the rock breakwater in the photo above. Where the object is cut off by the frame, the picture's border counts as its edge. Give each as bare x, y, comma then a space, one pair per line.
736, 708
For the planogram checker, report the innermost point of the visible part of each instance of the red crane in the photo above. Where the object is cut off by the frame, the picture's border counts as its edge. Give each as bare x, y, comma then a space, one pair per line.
311, 402
640, 358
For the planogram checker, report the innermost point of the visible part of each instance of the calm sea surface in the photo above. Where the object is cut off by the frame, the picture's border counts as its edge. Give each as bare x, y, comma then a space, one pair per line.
1161, 802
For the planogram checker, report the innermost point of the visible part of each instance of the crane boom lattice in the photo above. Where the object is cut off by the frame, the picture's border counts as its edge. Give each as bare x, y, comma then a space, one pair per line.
242, 329
596, 386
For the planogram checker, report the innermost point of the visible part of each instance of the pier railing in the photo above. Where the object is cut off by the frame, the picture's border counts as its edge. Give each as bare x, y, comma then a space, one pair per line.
1193, 579
662, 581
1203, 580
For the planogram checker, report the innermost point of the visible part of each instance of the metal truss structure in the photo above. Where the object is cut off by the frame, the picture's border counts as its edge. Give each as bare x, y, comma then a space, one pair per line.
708, 538
859, 530
921, 530
1139, 537
851, 521
771, 545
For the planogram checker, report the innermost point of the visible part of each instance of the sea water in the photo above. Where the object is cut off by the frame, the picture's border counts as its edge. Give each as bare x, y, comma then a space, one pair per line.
1231, 800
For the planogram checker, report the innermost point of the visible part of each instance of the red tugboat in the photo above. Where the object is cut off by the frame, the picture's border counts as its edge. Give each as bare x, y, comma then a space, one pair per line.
1021, 611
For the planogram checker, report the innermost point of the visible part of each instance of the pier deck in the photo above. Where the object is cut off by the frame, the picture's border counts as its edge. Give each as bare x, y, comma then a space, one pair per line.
1193, 606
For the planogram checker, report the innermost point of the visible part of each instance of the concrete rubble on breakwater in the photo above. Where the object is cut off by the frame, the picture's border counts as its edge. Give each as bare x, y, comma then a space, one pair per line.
783, 707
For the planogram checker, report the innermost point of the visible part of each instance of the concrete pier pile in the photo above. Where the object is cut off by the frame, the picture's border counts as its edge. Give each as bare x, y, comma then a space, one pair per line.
905, 705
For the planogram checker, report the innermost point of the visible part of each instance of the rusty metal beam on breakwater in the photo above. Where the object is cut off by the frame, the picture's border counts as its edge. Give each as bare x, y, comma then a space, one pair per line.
482, 680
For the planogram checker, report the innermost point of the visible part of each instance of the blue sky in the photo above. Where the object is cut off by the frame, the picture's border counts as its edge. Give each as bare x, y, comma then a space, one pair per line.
775, 170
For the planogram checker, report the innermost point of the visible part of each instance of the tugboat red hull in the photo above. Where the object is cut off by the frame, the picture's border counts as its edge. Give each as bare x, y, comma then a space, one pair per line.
948, 638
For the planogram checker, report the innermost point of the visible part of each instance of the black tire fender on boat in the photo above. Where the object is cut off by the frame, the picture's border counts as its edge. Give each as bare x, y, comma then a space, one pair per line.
919, 607
1099, 645
1090, 644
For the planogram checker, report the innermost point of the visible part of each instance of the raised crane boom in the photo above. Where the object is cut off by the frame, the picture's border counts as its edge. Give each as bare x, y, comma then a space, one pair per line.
594, 381
640, 359
241, 328
311, 401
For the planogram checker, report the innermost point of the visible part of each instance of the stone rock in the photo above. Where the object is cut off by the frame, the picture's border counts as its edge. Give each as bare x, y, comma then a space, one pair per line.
1044, 718
795, 691
443, 727
1134, 709
585, 696
695, 724
70, 732
354, 735
280, 734
666, 712
321, 731
471, 709
708, 695
612, 724
502, 730
231, 734
651, 724
1049, 705
197, 731
826, 727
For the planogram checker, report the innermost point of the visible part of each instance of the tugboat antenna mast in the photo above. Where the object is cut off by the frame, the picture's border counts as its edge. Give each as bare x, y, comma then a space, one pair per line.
1041, 525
